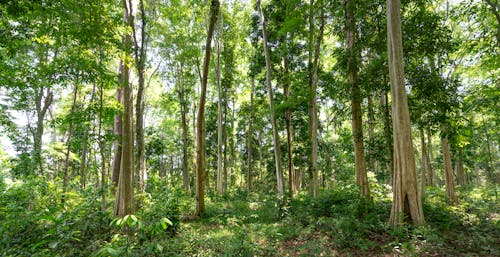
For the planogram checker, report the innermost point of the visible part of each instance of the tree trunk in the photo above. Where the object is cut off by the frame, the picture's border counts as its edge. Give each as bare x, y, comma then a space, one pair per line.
124, 194
101, 150
357, 123
249, 138
68, 145
184, 125
315, 45
371, 135
388, 134
220, 189
448, 170
276, 139
431, 176
117, 130
404, 186
425, 163
200, 122
85, 152
288, 119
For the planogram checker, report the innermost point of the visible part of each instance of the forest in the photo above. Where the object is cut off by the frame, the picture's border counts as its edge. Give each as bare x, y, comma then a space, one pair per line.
249, 128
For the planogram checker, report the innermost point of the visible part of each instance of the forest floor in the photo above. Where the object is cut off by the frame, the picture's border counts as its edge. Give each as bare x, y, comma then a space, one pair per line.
337, 223
256, 225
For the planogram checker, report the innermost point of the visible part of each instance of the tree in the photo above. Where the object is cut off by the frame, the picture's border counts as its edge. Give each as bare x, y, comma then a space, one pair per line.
276, 138
124, 195
200, 122
357, 123
404, 185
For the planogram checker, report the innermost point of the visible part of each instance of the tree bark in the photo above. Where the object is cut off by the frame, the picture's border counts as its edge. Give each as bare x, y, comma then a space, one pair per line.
431, 176
101, 150
276, 139
124, 195
288, 120
459, 169
371, 135
200, 122
448, 169
357, 123
405, 192
388, 134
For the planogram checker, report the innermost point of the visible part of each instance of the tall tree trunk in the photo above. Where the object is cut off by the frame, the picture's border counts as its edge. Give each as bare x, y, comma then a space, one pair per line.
388, 134
43, 100
220, 188
288, 119
85, 152
68, 145
371, 135
276, 138
250, 137
425, 163
448, 169
140, 51
404, 186
102, 150
184, 125
357, 123
431, 176
315, 45
200, 122
118, 132
125, 192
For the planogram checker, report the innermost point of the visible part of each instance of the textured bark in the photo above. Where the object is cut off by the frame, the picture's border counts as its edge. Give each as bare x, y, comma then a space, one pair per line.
68, 145
315, 46
276, 138
124, 195
140, 64
200, 121
250, 138
404, 186
448, 171
357, 122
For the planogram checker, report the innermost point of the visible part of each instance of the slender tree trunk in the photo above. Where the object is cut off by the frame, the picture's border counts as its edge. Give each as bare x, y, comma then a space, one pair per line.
68, 145
371, 135
118, 124
220, 188
85, 152
388, 134
101, 150
448, 170
250, 137
431, 176
276, 138
405, 190
140, 64
357, 123
315, 45
200, 123
425, 163
124, 195
288, 119
184, 125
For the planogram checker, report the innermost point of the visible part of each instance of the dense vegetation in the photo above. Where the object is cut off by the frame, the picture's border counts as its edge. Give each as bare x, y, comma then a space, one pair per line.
249, 128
